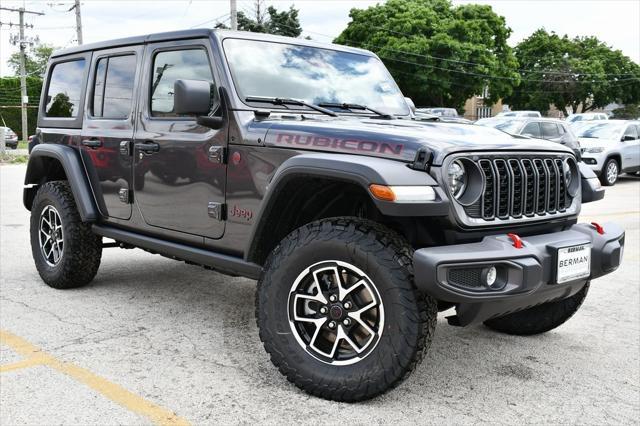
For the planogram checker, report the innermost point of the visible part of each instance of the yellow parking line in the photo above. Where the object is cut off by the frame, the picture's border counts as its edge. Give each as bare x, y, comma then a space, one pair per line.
25, 363
116, 393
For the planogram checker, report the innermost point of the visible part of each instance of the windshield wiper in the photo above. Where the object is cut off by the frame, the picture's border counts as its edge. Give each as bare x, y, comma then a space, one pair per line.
288, 101
354, 106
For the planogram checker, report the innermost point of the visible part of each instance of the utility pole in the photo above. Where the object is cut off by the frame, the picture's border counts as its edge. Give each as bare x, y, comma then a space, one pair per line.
76, 6
234, 14
24, 99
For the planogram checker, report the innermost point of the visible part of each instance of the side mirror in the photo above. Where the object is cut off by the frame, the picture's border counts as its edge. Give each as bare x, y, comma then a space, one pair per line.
412, 106
626, 138
192, 97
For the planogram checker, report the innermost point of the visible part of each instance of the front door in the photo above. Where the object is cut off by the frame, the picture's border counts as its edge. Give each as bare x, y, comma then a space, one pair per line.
108, 127
179, 180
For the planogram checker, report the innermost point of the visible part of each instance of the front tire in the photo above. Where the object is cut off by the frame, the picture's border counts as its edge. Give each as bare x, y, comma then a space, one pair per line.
541, 318
66, 253
610, 172
338, 312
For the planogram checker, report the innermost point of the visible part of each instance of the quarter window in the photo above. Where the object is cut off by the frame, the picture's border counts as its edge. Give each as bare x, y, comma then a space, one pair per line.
113, 90
192, 64
65, 89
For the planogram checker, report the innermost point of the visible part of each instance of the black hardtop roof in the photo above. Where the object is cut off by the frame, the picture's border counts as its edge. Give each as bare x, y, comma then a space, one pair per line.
172, 35
200, 33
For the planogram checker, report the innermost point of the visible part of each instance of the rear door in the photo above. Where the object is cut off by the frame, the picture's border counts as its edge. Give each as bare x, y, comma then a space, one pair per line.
178, 177
107, 131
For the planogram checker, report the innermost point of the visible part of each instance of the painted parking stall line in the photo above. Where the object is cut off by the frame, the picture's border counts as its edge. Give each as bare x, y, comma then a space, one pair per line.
116, 393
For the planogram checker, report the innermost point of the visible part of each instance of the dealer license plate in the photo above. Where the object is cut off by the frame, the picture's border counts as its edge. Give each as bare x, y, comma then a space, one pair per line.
573, 263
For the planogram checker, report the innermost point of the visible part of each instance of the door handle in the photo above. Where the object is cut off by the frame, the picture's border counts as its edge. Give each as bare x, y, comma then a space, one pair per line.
148, 147
92, 143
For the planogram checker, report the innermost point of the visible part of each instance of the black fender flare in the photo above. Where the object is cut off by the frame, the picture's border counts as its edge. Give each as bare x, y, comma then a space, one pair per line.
357, 169
71, 163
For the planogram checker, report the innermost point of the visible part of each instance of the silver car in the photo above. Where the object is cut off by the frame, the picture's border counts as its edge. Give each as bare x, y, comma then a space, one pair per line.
541, 128
609, 147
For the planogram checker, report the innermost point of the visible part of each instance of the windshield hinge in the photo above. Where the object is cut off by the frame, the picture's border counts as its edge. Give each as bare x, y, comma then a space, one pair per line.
422, 160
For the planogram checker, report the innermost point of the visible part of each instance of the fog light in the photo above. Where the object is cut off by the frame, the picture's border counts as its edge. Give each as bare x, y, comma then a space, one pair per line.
490, 276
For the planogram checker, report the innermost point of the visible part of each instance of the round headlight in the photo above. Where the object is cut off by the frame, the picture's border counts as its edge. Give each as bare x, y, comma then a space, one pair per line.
571, 176
457, 178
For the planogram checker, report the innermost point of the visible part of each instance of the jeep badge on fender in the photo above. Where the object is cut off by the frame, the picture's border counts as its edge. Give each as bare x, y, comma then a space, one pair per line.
300, 165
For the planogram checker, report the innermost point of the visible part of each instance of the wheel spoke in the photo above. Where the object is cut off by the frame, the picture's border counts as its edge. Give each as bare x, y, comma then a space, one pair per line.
343, 292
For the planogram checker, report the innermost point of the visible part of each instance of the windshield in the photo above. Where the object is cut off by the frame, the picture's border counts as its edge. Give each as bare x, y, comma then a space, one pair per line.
586, 129
311, 74
508, 126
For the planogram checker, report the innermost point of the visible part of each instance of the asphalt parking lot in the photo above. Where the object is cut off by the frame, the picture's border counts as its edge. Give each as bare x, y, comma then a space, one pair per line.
156, 341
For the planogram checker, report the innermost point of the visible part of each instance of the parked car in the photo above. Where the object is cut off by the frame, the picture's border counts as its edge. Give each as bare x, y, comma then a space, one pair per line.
445, 115
270, 158
610, 147
519, 114
541, 128
440, 112
587, 116
10, 138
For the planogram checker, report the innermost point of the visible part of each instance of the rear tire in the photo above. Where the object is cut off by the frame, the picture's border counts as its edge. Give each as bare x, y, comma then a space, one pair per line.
372, 264
541, 318
66, 253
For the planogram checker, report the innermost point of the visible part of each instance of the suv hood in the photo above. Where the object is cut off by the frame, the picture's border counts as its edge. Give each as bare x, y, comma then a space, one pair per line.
594, 142
397, 139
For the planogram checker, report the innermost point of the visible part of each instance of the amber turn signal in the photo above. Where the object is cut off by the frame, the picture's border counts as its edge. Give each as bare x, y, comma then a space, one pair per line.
382, 192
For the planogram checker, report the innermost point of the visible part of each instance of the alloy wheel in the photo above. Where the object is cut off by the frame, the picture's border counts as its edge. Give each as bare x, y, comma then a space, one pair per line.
612, 172
335, 312
51, 235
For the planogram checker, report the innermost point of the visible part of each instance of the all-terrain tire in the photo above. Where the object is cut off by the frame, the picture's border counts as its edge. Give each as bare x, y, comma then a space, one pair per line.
409, 317
82, 249
541, 318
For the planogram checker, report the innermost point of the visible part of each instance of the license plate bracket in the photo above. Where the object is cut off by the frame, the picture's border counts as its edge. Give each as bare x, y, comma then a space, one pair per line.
573, 262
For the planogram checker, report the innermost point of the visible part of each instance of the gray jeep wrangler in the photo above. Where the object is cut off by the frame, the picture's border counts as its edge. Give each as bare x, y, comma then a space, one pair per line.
299, 165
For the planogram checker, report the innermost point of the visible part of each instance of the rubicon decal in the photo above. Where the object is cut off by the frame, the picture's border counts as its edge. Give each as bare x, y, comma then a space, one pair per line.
346, 144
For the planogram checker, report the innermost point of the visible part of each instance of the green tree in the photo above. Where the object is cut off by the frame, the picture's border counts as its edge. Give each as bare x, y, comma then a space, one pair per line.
575, 74
35, 61
285, 23
439, 54
10, 113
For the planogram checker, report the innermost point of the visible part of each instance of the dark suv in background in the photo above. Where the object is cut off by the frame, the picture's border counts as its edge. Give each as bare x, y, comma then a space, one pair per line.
299, 164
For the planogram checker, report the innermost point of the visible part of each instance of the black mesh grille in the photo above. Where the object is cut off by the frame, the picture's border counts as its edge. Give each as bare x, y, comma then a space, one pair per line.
465, 277
519, 187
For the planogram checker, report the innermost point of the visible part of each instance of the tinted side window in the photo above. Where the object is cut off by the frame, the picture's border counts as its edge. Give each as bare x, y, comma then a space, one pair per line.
113, 91
631, 131
549, 130
65, 88
531, 129
174, 65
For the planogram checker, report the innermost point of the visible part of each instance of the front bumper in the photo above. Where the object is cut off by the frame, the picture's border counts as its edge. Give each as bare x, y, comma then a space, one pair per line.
450, 273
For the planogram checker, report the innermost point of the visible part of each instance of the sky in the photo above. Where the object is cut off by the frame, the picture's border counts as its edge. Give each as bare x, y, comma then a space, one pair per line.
616, 22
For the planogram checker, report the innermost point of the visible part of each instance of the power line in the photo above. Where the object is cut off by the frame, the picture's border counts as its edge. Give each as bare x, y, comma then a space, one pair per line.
477, 63
488, 76
23, 42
